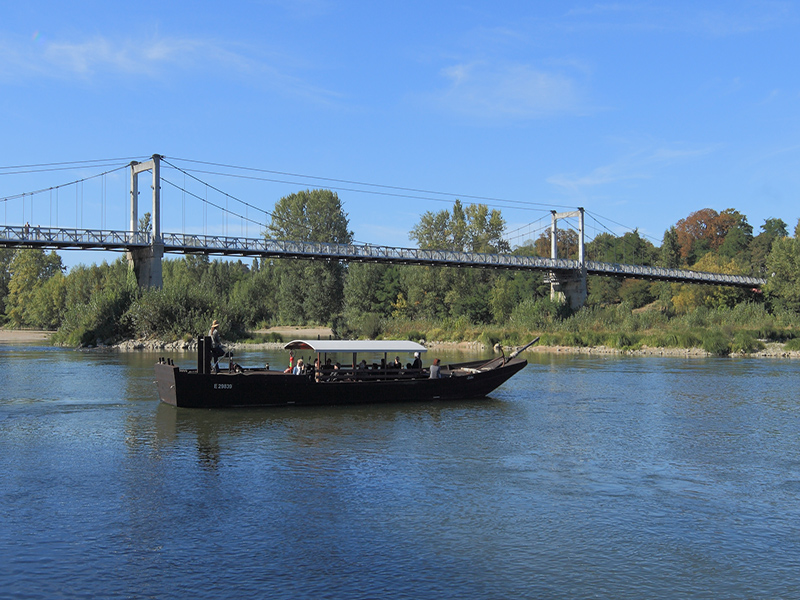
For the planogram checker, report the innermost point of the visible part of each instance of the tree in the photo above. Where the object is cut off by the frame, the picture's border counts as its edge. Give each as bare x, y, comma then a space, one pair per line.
783, 273
474, 229
706, 230
636, 250
670, 249
145, 224
30, 269
435, 293
687, 297
760, 247
636, 292
603, 248
695, 229
311, 291
738, 234
6, 256
603, 290
566, 244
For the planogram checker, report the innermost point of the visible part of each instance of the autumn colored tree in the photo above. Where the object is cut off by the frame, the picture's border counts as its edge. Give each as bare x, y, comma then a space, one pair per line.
566, 244
705, 231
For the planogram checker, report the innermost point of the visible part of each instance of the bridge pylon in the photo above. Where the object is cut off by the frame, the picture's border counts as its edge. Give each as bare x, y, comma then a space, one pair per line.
146, 261
568, 287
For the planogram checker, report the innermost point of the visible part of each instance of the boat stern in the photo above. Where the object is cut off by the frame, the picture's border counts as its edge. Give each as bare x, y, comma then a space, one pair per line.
165, 380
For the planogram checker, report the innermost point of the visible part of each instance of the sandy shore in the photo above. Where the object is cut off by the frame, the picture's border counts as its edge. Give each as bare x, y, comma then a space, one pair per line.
24, 336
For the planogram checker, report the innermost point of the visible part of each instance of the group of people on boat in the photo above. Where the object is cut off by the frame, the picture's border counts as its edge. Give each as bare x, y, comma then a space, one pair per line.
328, 371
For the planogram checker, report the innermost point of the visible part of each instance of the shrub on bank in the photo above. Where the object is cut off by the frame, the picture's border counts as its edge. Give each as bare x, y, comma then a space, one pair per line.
745, 342
715, 342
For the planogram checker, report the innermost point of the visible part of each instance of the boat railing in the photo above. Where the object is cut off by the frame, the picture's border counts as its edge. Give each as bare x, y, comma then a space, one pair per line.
350, 374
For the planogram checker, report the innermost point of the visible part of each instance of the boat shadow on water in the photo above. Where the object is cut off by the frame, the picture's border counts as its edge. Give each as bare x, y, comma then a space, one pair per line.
214, 432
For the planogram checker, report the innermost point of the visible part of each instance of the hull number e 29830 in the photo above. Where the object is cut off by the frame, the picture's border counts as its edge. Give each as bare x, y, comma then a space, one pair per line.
223, 386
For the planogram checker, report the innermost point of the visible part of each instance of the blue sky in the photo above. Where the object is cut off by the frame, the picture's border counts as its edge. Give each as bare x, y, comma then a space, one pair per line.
641, 112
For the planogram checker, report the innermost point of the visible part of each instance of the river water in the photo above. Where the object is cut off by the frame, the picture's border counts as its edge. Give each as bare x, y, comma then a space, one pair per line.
582, 477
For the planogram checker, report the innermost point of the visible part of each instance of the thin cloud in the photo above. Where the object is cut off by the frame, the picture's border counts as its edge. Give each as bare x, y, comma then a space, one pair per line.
516, 91
155, 58
638, 165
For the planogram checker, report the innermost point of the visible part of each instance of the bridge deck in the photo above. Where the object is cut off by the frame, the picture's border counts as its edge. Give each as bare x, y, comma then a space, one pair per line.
59, 238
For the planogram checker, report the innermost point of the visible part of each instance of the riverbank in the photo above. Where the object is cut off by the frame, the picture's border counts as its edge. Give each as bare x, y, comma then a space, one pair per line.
771, 350
30, 336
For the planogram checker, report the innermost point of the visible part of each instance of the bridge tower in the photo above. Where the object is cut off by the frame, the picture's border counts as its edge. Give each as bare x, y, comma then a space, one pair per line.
146, 262
569, 287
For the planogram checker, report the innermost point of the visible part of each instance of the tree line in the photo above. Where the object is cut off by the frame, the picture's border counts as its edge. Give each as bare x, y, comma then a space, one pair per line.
102, 302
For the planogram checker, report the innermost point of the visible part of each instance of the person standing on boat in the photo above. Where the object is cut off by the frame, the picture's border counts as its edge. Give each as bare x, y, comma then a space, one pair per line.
417, 364
435, 369
217, 349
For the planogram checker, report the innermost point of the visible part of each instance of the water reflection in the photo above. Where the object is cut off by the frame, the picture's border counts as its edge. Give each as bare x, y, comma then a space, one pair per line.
583, 476
320, 429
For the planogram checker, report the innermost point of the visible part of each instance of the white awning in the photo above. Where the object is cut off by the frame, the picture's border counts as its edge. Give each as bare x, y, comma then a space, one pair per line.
383, 346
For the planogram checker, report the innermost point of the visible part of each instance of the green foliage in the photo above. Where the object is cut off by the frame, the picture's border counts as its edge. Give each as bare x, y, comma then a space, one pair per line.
309, 292
535, 315
745, 342
636, 292
792, 345
370, 300
30, 271
623, 341
365, 326
715, 342
471, 229
102, 316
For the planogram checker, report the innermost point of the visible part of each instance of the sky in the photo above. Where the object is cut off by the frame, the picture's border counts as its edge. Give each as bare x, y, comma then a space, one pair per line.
640, 112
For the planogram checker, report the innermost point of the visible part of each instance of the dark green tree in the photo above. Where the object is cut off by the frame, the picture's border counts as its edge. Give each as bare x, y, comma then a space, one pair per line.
783, 273
771, 230
310, 291
670, 249
30, 270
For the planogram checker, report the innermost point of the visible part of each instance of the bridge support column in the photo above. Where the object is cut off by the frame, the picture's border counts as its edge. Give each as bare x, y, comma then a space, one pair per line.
568, 287
146, 262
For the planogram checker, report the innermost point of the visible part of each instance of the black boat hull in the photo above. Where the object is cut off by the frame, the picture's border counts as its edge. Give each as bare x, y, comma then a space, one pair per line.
253, 388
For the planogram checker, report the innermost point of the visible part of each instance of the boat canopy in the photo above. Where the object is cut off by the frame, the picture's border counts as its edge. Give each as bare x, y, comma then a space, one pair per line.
386, 346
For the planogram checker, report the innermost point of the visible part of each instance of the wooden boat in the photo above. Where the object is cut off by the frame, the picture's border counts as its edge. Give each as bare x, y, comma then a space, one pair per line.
355, 383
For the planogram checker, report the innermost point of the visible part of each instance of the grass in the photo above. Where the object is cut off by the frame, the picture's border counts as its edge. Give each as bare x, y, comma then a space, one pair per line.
741, 329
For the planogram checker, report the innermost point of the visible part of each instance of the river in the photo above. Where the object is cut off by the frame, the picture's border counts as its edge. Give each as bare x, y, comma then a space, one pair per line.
582, 477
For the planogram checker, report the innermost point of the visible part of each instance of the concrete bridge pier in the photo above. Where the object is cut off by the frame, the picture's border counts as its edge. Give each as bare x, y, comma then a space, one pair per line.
568, 287
146, 262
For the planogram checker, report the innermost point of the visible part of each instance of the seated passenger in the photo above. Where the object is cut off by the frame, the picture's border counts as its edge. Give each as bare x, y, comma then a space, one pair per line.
417, 364
435, 369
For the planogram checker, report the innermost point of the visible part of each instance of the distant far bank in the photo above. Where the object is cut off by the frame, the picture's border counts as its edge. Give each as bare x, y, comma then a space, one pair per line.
24, 336
298, 333
288, 333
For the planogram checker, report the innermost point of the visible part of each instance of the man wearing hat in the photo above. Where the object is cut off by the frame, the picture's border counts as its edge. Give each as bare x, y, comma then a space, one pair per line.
216, 345
417, 364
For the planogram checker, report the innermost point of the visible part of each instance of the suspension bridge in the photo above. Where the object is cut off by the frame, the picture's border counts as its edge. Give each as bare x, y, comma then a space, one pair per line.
146, 248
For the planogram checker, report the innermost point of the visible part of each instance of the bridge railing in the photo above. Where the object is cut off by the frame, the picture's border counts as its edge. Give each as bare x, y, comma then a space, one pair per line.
664, 274
62, 237
66, 238
356, 252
